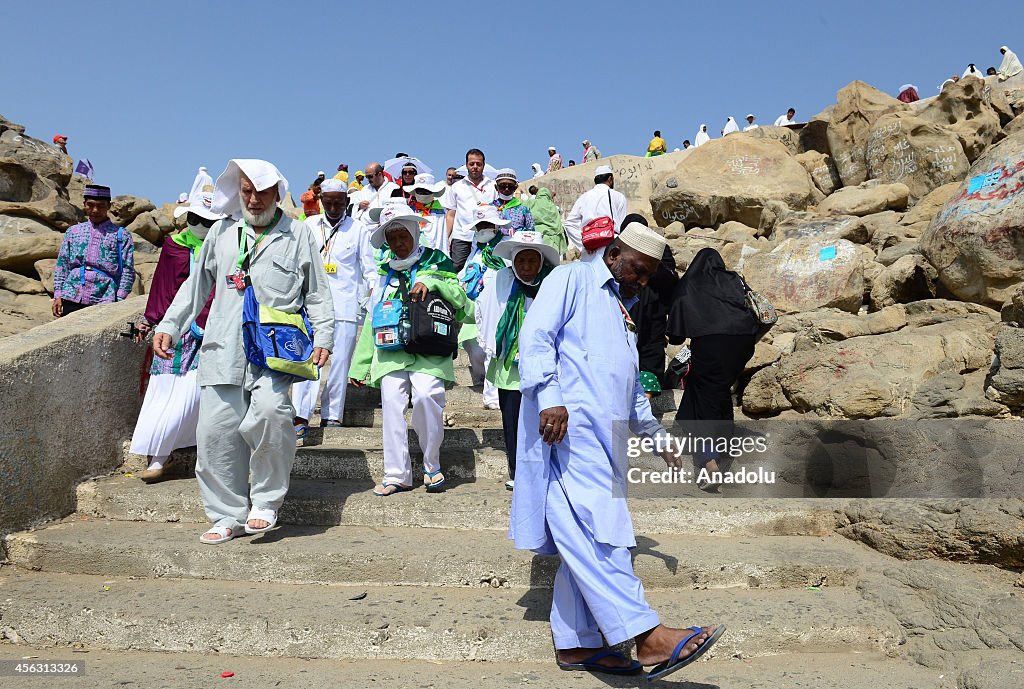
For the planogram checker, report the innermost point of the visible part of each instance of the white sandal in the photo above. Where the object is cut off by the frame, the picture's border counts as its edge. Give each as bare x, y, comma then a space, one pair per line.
269, 516
225, 533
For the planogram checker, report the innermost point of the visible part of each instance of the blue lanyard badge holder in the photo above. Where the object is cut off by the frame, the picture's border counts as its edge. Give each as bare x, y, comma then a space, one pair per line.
390, 321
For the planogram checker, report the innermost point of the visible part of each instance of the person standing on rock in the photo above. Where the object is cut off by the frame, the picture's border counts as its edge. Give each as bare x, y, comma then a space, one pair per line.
96, 263
246, 441
170, 409
656, 146
344, 246
61, 142
401, 374
600, 201
461, 202
730, 127
908, 94
1010, 66
579, 376
590, 151
750, 123
972, 71
702, 136
787, 119
709, 306
554, 160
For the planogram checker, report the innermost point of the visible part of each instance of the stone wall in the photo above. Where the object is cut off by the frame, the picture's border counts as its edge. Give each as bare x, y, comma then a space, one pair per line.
70, 391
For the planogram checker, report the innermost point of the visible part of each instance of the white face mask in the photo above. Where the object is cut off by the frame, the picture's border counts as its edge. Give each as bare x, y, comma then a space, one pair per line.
425, 199
484, 236
505, 197
199, 230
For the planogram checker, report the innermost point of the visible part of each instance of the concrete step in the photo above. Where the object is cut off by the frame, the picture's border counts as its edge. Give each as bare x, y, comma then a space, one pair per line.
201, 671
424, 557
307, 620
483, 504
357, 454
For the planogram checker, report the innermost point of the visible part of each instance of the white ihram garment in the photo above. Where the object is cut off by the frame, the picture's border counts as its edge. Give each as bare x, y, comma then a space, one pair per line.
169, 414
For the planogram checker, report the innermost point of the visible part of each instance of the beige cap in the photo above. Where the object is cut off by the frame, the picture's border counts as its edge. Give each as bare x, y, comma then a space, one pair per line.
639, 237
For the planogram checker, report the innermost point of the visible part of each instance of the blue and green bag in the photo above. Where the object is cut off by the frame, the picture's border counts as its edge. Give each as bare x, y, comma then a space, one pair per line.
278, 341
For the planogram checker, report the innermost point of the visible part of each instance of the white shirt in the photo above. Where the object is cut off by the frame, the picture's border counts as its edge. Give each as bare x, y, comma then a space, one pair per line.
750, 126
376, 197
782, 121
599, 201
348, 262
463, 197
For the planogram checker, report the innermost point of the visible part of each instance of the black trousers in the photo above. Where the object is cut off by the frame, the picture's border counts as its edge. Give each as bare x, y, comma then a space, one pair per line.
509, 401
461, 249
71, 306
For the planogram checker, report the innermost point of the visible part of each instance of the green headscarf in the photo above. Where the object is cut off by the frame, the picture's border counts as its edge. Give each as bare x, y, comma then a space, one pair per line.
188, 240
548, 220
506, 338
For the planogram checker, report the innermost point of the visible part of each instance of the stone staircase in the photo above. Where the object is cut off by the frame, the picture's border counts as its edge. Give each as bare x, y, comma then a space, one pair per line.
352, 583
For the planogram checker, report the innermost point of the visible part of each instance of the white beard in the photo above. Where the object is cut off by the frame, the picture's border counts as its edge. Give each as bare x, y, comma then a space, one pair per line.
261, 220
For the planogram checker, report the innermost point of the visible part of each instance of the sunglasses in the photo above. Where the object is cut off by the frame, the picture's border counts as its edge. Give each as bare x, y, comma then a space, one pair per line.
506, 187
195, 218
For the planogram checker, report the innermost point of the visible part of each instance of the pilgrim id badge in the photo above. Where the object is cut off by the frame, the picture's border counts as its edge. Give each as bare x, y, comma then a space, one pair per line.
237, 280
330, 268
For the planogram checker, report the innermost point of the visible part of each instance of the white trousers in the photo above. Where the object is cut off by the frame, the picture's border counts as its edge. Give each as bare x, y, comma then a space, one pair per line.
332, 397
246, 446
479, 362
427, 409
595, 591
169, 415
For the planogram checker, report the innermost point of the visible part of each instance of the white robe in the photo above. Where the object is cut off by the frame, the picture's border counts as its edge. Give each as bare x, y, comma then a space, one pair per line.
1010, 66
972, 72
730, 127
702, 136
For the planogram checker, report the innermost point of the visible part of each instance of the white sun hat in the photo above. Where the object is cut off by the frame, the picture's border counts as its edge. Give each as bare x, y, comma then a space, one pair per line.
396, 212
526, 239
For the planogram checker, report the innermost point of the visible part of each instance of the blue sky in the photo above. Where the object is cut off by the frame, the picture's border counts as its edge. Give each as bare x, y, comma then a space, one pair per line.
148, 91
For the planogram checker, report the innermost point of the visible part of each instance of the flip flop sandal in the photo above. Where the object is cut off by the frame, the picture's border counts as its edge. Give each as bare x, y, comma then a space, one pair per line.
269, 516
436, 485
398, 488
301, 431
673, 663
331, 423
591, 664
225, 534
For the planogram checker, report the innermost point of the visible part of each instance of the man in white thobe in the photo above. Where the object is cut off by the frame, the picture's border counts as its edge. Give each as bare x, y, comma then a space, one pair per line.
246, 443
787, 119
579, 376
600, 201
344, 246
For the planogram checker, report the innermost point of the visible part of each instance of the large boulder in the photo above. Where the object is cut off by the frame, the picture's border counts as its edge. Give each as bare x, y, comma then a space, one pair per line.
926, 208
857, 109
866, 199
846, 227
731, 179
19, 284
124, 209
45, 268
1006, 384
634, 178
909, 278
153, 225
23, 241
976, 241
43, 159
806, 273
822, 170
23, 192
910, 150
967, 110
868, 377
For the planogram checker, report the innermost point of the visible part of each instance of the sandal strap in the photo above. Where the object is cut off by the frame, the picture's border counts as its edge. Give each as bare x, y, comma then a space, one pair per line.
258, 513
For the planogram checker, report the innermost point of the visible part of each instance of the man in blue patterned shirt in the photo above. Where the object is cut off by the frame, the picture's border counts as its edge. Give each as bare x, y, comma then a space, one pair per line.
96, 264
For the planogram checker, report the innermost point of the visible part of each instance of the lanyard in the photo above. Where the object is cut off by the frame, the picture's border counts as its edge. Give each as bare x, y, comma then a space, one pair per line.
325, 250
245, 253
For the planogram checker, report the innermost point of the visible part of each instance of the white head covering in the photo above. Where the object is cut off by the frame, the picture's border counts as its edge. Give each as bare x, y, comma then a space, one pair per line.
506, 173
1010, 66
702, 136
202, 179
333, 185
972, 71
730, 127
603, 170
227, 197
537, 170
639, 237
523, 240
183, 197
426, 181
393, 213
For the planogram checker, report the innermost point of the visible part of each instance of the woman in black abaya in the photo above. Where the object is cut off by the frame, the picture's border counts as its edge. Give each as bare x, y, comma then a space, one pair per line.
709, 307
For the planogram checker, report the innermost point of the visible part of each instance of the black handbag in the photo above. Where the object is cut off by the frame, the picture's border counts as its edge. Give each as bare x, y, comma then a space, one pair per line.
433, 327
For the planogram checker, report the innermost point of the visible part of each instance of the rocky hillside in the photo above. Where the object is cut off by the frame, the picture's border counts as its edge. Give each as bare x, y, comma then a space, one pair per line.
890, 236
39, 199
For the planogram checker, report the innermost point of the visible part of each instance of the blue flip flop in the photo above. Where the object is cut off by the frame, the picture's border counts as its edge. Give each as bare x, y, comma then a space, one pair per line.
398, 488
591, 664
301, 431
673, 663
437, 485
